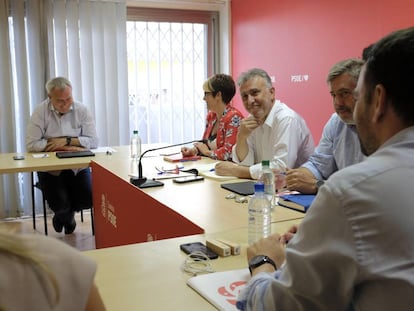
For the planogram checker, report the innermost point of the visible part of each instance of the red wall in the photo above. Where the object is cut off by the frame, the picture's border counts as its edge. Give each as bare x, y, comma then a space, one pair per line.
302, 37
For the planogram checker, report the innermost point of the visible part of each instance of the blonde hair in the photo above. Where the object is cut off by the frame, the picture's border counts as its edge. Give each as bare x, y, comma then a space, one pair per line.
13, 244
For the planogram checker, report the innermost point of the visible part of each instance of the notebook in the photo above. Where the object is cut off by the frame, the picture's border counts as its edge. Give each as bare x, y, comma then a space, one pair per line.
242, 188
74, 154
221, 288
179, 158
300, 202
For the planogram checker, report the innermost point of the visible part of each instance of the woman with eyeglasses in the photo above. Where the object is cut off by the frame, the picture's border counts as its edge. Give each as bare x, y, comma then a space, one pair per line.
222, 122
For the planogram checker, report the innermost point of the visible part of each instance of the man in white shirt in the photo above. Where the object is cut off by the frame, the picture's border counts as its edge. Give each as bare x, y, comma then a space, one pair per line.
272, 131
353, 250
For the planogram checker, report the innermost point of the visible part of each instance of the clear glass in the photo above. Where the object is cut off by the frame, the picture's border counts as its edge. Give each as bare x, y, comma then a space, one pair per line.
279, 171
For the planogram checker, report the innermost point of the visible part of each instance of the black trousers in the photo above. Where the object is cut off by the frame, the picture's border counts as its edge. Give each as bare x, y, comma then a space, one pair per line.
67, 193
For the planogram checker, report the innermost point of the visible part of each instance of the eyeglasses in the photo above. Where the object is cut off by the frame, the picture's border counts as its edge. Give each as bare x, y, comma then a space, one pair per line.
207, 93
175, 170
342, 93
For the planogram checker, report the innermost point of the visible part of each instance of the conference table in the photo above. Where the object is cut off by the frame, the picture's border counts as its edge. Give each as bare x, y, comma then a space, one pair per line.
174, 209
144, 271
150, 276
44, 161
124, 214
47, 161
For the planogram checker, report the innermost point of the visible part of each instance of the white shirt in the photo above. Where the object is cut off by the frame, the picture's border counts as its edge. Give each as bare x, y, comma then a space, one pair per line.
284, 138
353, 250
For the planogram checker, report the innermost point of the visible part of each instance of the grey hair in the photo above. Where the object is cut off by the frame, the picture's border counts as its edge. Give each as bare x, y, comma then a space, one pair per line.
352, 66
57, 83
254, 72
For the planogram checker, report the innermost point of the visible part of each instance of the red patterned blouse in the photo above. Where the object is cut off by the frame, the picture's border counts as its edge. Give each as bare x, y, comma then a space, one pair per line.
226, 132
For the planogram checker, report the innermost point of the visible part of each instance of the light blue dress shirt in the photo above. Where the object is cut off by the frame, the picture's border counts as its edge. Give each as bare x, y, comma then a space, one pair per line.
45, 123
338, 148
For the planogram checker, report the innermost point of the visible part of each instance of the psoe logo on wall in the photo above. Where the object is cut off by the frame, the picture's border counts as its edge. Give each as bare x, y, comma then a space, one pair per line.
299, 78
108, 210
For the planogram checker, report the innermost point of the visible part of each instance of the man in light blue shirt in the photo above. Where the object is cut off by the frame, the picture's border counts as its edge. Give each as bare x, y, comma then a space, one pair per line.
61, 124
339, 145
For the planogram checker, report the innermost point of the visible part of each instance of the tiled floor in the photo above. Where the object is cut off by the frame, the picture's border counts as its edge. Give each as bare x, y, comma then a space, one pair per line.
81, 239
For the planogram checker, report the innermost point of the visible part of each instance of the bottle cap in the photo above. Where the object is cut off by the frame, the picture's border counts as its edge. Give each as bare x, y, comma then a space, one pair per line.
259, 187
265, 163
135, 132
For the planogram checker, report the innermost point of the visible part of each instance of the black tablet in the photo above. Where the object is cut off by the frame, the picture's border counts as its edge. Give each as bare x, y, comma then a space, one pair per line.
74, 154
242, 188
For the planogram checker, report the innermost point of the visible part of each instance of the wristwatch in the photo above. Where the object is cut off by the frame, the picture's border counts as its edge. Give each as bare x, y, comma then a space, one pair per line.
259, 260
319, 183
68, 141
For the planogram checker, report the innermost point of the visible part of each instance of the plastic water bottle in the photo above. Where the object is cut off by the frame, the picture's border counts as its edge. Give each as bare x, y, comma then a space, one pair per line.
259, 215
135, 145
268, 179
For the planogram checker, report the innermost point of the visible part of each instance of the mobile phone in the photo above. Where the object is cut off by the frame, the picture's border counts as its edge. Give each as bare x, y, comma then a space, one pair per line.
189, 248
182, 180
18, 157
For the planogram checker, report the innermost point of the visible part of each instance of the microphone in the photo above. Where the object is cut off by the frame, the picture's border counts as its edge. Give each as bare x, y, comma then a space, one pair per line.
143, 182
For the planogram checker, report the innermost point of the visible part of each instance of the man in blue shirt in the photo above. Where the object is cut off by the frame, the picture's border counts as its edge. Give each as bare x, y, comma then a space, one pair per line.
339, 145
60, 123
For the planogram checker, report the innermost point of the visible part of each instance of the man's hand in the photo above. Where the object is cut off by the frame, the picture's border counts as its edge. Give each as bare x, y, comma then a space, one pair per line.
247, 125
288, 235
271, 247
59, 144
55, 144
227, 168
71, 148
302, 180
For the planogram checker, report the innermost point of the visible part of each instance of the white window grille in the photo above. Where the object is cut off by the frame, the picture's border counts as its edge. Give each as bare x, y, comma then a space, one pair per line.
169, 58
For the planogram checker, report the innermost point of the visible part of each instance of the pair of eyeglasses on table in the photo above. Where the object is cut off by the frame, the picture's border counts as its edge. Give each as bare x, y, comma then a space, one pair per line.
176, 170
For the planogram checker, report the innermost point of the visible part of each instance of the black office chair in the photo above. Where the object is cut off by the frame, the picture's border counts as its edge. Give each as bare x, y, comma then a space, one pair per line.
36, 185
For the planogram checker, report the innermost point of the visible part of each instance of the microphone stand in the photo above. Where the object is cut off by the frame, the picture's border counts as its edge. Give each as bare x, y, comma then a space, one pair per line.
143, 182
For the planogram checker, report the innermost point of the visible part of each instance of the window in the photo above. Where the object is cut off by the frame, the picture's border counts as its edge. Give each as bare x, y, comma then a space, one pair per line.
170, 55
